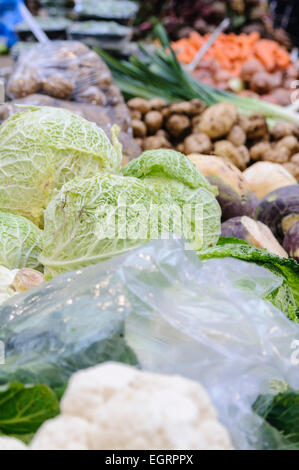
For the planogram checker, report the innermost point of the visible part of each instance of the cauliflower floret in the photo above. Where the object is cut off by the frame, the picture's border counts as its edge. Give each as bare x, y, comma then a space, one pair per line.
10, 443
90, 388
62, 433
130, 409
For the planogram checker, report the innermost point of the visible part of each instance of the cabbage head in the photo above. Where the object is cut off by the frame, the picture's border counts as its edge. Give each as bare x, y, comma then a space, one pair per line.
167, 165
20, 242
43, 148
174, 177
93, 219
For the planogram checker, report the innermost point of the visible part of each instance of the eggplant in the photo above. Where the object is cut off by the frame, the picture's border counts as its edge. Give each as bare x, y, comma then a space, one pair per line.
291, 241
276, 207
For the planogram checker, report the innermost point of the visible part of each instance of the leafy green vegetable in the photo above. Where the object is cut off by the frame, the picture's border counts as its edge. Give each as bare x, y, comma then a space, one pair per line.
20, 242
167, 164
282, 413
177, 181
286, 298
41, 149
23, 409
159, 73
100, 217
89, 220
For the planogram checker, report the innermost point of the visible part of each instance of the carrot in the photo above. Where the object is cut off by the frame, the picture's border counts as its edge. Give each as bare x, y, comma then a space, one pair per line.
232, 51
264, 51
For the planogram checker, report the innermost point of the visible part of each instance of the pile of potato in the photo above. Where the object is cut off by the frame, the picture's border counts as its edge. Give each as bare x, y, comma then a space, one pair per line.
190, 127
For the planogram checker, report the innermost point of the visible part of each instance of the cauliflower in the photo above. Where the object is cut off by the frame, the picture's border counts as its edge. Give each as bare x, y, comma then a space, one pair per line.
89, 389
121, 408
62, 433
113, 406
10, 443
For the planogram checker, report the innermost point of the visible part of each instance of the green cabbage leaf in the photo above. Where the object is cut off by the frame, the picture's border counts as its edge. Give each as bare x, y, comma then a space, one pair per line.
285, 297
20, 242
93, 219
41, 149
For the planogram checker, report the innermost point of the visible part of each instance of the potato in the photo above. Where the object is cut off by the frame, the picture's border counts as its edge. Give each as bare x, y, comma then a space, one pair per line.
237, 136
139, 128
157, 103
218, 120
282, 129
277, 155
197, 143
258, 150
136, 115
180, 147
290, 143
153, 121
139, 104
177, 125
257, 177
237, 155
283, 95
243, 122
190, 108
264, 82
250, 68
234, 196
156, 142
255, 233
257, 127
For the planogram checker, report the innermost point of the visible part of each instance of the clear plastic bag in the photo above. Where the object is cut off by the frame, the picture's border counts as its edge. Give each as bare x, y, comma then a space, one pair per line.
65, 70
177, 314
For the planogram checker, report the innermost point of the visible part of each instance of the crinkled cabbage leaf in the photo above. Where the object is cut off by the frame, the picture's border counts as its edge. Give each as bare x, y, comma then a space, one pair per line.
41, 149
167, 164
100, 217
20, 242
286, 296
174, 177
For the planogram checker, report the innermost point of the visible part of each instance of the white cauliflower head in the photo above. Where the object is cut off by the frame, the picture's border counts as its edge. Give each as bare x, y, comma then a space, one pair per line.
62, 433
10, 443
131, 409
90, 388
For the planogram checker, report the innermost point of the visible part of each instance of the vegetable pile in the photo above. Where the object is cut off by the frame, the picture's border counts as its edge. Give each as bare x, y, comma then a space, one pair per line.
158, 73
126, 284
232, 51
190, 127
245, 64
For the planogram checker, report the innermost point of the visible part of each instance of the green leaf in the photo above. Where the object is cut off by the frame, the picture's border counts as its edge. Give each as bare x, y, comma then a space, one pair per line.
282, 413
23, 409
41, 149
287, 297
20, 242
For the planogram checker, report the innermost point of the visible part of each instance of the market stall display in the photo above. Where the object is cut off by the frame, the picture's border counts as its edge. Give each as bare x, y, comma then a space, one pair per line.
245, 64
149, 236
220, 130
187, 293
